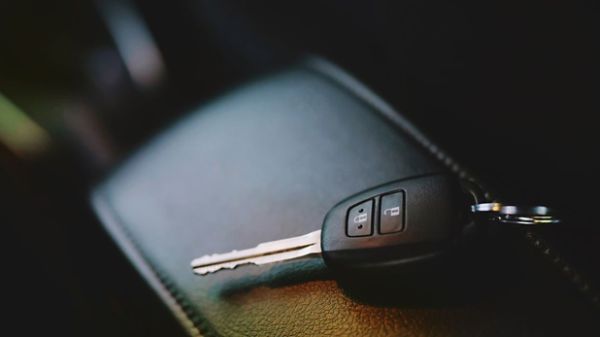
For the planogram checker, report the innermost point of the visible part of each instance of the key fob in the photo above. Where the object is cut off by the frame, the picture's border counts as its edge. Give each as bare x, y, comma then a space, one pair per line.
403, 222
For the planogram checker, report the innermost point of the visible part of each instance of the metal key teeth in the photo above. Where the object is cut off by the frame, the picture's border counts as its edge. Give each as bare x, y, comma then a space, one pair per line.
264, 253
210, 257
202, 264
215, 268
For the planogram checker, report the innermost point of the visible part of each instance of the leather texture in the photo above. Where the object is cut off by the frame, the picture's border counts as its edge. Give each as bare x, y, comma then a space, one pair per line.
267, 162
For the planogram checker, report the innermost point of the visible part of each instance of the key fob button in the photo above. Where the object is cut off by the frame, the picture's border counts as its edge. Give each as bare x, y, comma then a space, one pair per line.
391, 213
360, 219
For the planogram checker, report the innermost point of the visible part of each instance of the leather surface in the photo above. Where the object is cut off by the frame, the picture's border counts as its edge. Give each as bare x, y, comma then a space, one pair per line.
267, 162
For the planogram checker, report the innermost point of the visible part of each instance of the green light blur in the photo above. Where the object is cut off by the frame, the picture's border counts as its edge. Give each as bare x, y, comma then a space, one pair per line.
20, 133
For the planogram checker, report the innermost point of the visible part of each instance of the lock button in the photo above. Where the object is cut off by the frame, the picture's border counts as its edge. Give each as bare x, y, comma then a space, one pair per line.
360, 219
391, 216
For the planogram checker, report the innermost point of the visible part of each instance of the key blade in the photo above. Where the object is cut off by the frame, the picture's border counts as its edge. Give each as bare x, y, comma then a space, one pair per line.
260, 260
264, 253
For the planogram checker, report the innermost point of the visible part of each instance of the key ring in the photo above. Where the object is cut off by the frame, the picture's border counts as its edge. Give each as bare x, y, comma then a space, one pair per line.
512, 214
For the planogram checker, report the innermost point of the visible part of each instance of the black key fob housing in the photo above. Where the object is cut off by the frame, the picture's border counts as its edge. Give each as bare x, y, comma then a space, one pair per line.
403, 222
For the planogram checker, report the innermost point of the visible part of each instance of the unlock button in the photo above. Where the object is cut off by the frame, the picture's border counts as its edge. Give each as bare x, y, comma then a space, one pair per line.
391, 213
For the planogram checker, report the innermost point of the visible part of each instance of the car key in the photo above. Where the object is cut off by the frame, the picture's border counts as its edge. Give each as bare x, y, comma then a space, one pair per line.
400, 223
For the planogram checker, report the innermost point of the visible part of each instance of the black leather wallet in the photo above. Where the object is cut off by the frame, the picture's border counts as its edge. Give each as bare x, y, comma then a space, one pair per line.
267, 161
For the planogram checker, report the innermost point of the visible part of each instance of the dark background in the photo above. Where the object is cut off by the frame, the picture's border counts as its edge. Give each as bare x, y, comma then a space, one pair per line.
509, 88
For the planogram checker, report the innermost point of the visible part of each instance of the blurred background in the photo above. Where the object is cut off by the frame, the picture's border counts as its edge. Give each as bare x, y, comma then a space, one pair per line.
509, 88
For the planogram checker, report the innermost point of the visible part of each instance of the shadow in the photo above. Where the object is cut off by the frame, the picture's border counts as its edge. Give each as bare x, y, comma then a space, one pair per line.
278, 275
477, 272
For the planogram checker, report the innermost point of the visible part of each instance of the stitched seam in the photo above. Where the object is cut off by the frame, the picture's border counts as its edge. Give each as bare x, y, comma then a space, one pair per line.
359, 90
182, 309
582, 284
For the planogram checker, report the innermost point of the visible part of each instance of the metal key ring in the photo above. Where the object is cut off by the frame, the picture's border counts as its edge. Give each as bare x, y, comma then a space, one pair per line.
520, 215
528, 210
488, 207
527, 220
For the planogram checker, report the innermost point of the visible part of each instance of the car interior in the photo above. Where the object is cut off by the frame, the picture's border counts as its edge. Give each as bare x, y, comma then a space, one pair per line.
401, 168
